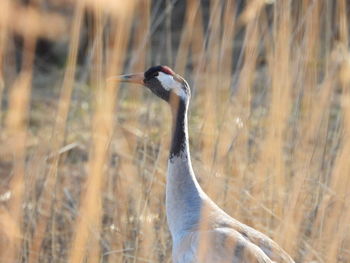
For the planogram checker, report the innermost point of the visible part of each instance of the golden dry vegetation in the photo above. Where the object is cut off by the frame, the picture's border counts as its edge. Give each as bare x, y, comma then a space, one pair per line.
83, 163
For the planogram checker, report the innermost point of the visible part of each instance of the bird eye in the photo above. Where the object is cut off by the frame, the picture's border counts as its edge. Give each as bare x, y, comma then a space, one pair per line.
150, 75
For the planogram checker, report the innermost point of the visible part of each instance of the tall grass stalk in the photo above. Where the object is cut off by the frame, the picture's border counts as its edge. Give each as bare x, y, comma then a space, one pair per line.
83, 172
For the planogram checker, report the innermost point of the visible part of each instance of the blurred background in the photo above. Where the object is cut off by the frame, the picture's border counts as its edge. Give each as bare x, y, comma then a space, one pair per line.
83, 162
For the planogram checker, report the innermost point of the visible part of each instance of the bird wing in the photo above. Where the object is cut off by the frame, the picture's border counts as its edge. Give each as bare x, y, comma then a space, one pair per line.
266, 244
218, 219
223, 245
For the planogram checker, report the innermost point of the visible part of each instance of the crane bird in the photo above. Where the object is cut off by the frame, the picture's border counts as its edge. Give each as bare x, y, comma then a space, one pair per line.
200, 230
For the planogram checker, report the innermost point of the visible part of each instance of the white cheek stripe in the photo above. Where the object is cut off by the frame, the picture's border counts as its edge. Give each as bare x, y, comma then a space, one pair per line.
166, 80
170, 84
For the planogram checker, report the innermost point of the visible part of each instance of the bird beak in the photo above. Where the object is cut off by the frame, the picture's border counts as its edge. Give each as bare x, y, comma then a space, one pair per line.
130, 78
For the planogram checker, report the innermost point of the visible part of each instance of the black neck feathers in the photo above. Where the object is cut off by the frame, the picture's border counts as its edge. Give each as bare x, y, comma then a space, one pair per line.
179, 139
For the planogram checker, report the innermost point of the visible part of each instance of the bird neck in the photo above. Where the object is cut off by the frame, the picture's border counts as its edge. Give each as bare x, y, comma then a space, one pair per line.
179, 142
183, 193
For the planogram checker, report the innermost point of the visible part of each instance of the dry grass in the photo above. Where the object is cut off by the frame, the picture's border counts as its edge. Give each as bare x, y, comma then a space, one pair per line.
82, 163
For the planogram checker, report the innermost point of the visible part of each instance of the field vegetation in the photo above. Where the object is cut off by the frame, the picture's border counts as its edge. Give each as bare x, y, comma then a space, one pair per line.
83, 161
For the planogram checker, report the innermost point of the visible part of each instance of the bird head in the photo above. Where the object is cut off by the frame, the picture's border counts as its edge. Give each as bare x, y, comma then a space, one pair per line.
162, 81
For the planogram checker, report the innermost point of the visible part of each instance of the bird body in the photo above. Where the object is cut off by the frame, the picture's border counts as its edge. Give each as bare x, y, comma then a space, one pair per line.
200, 230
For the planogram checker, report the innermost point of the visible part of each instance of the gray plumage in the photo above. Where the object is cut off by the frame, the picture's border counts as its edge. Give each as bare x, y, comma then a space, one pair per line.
200, 230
